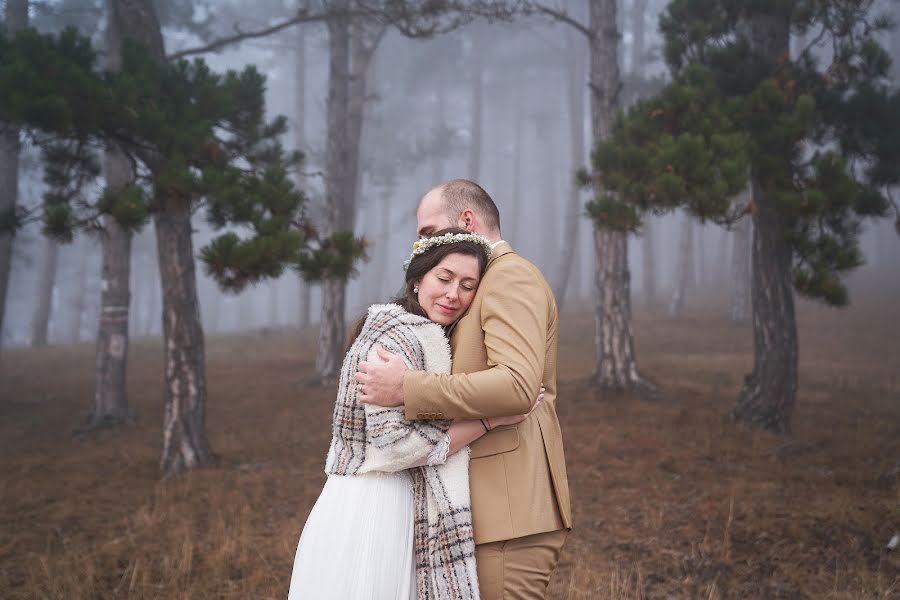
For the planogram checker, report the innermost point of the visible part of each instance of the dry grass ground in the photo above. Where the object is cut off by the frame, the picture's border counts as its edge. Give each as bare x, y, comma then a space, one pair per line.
670, 499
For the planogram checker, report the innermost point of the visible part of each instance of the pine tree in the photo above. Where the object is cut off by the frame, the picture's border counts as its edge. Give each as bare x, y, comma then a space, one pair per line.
196, 139
812, 134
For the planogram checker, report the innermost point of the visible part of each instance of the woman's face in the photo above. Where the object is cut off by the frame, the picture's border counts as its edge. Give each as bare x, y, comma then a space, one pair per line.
447, 290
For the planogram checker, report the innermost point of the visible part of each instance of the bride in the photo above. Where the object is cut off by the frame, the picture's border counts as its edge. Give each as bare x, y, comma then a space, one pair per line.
393, 521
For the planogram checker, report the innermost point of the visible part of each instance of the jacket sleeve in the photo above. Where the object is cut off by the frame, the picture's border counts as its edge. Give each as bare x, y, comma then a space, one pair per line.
394, 443
514, 316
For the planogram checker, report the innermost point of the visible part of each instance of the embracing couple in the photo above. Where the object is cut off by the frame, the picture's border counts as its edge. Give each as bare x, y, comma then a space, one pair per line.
445, 482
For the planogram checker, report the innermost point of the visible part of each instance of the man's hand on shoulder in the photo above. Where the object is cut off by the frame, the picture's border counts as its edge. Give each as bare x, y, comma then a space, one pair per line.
381, 383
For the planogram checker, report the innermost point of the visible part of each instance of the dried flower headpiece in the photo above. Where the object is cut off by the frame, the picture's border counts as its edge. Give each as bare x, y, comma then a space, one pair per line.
424, 245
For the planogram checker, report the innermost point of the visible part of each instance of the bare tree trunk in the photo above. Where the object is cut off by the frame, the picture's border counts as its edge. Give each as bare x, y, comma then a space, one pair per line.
110, 400
648, 256
82, 249
575, 95
154, 316
615, 366
683, 269
440, 127
44, 295
351, 49
638, 30
739, 306
337, 174
476, 124
273, 303
648, 232
184, 445
767, 397
519, 215
184, 441
304, 312
15, 19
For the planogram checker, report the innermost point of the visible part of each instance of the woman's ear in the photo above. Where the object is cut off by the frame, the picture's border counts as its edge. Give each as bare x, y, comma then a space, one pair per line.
416, 286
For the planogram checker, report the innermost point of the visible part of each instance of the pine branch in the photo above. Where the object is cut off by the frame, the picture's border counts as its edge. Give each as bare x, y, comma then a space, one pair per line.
412, 21
302, 16
563, 17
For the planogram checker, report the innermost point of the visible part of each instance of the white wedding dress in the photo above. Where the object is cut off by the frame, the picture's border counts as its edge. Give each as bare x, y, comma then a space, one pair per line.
358, 541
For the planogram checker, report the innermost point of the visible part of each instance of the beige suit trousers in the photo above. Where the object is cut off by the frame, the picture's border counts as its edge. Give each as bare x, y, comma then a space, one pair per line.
520, 568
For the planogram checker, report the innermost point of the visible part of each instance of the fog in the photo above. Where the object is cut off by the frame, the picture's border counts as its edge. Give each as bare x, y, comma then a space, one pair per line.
420, 128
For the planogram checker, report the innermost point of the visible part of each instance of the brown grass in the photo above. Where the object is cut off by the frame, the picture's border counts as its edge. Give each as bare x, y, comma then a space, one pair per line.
670, 499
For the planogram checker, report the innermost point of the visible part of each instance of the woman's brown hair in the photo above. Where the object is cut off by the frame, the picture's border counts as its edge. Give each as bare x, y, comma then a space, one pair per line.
420, 265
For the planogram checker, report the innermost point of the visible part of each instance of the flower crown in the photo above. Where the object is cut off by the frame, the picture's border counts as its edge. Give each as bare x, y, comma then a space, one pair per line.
424, 245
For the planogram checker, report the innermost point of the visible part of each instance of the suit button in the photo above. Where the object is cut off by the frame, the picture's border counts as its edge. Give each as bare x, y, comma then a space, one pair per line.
420, 416
439, 416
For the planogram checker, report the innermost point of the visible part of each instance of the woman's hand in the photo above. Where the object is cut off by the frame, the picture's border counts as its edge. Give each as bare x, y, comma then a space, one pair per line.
515, 419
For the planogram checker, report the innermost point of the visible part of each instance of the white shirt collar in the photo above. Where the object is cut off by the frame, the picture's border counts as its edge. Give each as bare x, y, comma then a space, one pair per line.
494, 245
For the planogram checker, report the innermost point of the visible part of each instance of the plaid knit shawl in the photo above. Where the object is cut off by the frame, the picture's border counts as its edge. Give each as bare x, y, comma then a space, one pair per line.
367, 439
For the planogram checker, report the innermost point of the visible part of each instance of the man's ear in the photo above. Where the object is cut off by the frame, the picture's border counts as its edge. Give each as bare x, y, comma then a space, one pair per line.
467, 220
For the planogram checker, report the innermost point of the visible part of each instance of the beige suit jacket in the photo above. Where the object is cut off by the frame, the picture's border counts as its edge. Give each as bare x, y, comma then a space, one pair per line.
503, 348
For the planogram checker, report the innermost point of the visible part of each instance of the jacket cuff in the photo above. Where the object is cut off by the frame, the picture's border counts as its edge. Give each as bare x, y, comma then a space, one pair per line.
413, 392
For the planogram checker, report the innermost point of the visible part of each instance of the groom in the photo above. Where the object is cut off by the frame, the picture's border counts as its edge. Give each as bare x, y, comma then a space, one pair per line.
504, 347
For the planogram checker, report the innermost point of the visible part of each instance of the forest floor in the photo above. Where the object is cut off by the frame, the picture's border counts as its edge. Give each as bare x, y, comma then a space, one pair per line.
670, 498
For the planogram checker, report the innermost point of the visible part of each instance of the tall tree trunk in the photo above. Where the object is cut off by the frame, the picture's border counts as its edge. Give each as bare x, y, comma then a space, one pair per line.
46, 283
351, 48
337, 174
272, 293
767, 397
304, 312
153, 317
575, 69
648, 258
476, 124
648, 231
683, 269
184, 444
184, 441
739, 306
518, 118
82, 250
546, 210
638, 30
439, 132
15, 19
615, 365
110, 401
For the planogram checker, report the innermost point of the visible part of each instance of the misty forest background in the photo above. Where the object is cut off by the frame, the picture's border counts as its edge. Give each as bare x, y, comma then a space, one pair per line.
745, 195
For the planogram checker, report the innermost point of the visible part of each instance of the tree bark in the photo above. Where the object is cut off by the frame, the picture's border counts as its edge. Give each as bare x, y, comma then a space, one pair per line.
767, 398
304, 312
351, 48
476, 124
337, 175
46, 283
575, 95
82, 251
683, 270
15, 19
615, 365
440, 129
638, 63
184, 441
638, 29
110, 400
739, 306
519, 214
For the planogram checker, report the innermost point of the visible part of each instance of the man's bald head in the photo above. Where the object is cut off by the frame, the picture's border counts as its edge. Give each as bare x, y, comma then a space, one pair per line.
458, 203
